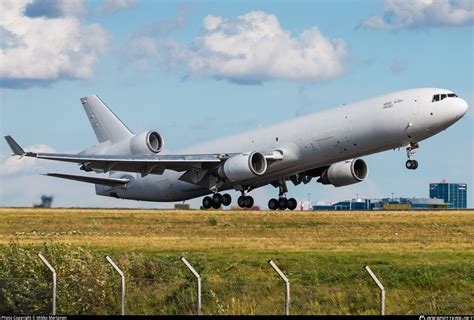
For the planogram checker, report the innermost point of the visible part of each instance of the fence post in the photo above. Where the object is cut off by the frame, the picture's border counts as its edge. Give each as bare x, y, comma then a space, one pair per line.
46, 263
382, 290
287, 286
122, 276
198, 277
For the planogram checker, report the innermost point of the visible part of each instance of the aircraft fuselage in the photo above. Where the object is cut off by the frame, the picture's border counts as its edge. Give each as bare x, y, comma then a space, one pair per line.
312, 141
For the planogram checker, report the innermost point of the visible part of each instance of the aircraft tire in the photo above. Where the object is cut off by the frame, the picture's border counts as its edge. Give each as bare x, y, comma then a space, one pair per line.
292, 203
273, 204
226, 199
411, 164
282, 203
207, 202
249, 202
241, 201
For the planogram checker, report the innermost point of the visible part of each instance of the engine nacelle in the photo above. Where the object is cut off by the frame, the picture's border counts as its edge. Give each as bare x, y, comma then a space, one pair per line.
345, 173
243, 166
146, 142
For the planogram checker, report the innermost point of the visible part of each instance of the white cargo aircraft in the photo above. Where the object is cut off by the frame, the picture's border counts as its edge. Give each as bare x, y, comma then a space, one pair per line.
326, 144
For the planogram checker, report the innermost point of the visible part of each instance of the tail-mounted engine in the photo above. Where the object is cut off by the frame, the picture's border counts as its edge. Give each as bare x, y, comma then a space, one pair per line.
146, 142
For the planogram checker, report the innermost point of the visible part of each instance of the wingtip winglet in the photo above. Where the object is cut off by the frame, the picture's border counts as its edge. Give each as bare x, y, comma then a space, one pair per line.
16, 148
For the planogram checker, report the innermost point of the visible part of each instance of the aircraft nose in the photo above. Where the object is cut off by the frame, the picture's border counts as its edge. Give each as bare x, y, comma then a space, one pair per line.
461, 107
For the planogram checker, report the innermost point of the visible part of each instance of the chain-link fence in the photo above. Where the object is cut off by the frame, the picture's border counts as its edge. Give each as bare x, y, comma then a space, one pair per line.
87, 284
219, 297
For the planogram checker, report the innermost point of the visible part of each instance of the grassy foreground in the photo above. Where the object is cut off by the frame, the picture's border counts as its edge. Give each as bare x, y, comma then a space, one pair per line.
425, 260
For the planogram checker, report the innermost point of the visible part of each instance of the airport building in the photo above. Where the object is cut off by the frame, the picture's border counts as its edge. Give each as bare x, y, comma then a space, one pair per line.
382, 204
454, 194
354, 204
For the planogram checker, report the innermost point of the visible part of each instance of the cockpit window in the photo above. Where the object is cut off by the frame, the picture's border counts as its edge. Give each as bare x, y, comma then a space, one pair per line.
439, 97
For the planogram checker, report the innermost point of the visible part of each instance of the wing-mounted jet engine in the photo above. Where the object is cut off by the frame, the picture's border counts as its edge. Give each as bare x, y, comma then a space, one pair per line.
345, 173
243, 166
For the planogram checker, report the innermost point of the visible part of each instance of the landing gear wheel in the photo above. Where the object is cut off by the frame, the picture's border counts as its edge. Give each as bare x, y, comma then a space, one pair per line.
249, 202
207, 202
282, 203
411, 164
241, 201
292, 203
273, 204
226, 199
217, 198
216, 201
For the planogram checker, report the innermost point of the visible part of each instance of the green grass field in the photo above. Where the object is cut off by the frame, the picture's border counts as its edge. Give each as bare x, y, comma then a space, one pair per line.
425, 259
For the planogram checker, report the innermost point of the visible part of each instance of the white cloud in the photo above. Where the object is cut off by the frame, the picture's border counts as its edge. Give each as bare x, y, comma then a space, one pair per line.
114, 6
408, 14
141, 48
140, 52
253, 48
163, 28
15, 165
41, 50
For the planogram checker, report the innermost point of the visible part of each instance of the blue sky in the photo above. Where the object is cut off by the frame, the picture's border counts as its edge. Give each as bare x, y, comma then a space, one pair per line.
149, 61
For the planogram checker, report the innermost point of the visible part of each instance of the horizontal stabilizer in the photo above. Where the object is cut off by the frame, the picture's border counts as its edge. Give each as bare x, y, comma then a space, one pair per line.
16, 149
113, 182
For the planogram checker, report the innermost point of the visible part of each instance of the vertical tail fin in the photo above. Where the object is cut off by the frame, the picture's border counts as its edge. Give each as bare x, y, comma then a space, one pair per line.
106, 125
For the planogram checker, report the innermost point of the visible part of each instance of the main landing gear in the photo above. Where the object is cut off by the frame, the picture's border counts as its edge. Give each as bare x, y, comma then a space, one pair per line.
282, 203
245, 201
411, 164
216, 201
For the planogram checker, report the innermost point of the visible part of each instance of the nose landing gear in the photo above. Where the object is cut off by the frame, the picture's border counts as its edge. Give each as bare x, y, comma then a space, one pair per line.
411, 164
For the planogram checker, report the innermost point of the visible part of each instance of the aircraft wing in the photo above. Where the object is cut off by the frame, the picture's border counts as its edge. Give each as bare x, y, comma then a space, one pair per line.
144, 164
